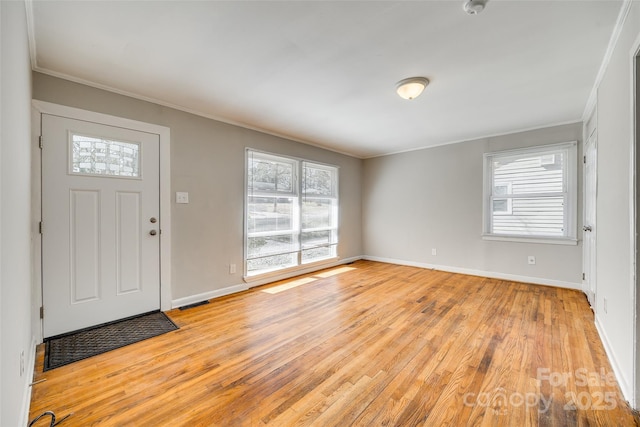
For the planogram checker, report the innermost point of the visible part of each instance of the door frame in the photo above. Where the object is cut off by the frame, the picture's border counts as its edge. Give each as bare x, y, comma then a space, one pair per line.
589, 131
635, 216
164, 133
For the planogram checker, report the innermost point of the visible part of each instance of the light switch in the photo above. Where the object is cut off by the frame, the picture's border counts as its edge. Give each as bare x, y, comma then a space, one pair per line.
182, 197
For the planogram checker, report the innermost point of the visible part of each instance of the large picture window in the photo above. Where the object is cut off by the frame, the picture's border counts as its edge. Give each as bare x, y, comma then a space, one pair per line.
531, 194
291, 213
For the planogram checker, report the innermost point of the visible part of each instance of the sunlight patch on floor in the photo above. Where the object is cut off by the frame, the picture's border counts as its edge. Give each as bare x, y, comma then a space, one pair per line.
334, 272
303, 281
289, 285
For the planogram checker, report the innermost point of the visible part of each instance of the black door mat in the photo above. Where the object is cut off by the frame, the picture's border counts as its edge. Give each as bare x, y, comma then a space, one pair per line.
68, 348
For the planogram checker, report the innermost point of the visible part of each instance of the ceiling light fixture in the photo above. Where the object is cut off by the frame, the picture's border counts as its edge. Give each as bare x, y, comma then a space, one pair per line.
412, 87
474, 7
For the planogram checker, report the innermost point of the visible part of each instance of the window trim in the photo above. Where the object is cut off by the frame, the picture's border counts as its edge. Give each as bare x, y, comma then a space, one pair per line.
298, 194
571, 182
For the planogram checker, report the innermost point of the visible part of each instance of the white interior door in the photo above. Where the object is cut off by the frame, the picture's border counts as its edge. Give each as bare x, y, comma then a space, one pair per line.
589, 228
100, 223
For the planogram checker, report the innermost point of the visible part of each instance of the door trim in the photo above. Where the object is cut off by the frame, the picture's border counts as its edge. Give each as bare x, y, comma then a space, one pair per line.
42, 107
589, 131
634, 187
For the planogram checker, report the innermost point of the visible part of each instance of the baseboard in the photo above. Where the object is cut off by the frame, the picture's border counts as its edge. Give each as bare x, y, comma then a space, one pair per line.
625, 387
29, 374
245, 286
483, 273
176, 303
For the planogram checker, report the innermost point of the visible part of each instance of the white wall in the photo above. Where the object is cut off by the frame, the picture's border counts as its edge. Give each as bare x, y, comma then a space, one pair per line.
432, 198
207, 160
615, 258
637, 209
15, 215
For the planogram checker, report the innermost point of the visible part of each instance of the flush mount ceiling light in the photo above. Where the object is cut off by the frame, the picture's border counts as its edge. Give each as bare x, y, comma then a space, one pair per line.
474, 7
412, 87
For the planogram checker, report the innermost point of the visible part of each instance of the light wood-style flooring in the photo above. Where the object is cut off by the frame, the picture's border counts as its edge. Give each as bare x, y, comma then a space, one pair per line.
368, 344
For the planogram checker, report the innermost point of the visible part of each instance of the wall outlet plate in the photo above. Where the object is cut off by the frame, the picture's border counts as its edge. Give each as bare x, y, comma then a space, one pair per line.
182, 197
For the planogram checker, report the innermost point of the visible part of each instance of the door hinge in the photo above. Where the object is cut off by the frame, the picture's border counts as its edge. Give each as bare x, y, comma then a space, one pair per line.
41, 312
584, 159
583, 276
40, 227
40, 141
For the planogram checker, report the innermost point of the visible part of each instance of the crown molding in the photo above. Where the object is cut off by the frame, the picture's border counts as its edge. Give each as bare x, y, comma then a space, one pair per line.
613, 42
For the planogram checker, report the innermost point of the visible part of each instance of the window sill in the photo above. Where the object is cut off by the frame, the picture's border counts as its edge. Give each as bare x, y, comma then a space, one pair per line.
524, 239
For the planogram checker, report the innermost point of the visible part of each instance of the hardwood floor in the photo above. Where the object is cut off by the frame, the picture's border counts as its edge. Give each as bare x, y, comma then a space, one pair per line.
370, 344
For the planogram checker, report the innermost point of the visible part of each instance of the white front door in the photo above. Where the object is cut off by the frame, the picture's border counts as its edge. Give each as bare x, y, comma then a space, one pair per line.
589, 228
100, 223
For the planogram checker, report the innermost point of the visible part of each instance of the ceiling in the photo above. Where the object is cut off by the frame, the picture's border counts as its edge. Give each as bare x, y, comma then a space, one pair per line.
324, 72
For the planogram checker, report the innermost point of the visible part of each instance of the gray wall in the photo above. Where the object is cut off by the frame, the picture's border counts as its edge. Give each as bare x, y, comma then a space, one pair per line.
207, 160
614, 206
15, 216
432, 198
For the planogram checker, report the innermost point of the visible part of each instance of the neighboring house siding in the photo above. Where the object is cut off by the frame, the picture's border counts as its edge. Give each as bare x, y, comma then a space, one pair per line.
530, 215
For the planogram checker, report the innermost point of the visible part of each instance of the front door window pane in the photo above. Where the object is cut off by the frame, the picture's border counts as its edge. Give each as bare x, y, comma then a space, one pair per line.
98, 156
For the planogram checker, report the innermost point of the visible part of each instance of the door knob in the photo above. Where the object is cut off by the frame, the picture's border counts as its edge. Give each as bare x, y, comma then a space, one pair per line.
587, 228
153, 232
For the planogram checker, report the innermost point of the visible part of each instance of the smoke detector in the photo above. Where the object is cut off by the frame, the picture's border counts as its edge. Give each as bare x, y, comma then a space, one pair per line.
474, 7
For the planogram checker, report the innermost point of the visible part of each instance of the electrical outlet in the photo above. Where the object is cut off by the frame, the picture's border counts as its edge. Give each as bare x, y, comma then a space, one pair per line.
531, 260
232, 269
22, 363
182, 197
434, 251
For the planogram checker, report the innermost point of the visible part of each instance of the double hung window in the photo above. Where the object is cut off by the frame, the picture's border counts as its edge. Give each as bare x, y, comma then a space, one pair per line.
291, 213
531, 194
